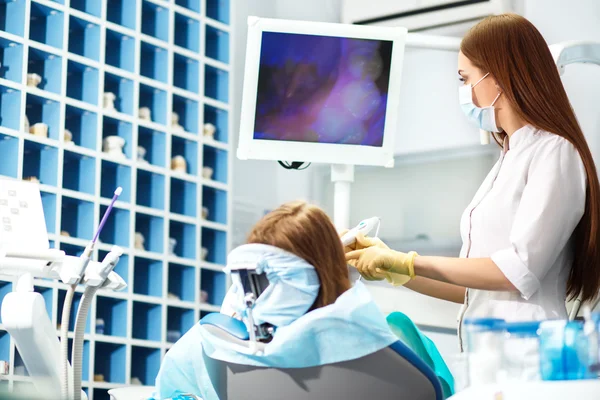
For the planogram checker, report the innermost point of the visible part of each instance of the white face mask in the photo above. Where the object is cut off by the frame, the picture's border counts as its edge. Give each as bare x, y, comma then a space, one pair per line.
484, 117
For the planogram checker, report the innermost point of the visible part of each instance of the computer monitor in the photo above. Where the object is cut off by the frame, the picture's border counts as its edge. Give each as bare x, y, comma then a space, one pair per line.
321, 92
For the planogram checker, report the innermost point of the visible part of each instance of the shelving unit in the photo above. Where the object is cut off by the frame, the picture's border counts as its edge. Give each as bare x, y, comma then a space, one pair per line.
172, 56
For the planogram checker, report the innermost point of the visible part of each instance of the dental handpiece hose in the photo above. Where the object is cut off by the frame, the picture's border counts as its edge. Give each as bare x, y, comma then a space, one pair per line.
65, 321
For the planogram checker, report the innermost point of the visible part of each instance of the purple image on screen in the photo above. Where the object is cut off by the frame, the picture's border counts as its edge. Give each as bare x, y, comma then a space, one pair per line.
322, 89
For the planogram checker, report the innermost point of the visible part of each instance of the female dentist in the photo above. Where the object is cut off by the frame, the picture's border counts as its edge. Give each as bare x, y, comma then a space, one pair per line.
530, 235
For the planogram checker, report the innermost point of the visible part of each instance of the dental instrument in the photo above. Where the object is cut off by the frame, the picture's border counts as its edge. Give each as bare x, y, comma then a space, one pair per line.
24, 311
365, 227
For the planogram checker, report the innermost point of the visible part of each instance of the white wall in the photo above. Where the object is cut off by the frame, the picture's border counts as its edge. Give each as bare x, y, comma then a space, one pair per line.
559, 21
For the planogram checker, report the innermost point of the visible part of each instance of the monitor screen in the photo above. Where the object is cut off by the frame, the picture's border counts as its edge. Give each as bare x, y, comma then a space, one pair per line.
322, 89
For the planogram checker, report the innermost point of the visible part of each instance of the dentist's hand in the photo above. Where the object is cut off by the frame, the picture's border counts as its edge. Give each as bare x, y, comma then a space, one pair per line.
376, 263
364, 242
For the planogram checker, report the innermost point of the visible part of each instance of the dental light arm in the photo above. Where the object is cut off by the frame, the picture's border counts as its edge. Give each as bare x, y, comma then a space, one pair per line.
577, 51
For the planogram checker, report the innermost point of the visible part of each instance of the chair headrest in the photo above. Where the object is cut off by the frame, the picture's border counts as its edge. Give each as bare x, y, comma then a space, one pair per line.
233, 326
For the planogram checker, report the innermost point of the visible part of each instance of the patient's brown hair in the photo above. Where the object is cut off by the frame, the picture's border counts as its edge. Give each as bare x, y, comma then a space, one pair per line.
306, 231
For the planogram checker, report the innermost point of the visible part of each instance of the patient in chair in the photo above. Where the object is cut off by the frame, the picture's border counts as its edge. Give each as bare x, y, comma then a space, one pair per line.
315, 315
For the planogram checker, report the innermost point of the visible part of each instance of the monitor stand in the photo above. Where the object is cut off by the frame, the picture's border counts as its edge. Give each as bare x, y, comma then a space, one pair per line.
342, 175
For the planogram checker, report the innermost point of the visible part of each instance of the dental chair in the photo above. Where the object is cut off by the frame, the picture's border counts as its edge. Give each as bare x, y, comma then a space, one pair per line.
395, 372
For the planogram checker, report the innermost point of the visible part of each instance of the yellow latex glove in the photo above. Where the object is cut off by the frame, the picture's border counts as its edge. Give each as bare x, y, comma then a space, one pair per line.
376, 263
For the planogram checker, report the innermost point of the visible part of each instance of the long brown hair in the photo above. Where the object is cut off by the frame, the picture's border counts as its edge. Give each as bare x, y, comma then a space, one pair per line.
514, 52
306, 231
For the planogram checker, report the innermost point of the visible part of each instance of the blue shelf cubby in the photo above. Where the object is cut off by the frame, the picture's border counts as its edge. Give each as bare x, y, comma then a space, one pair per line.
145, 364
216, 242
185, 234
216, 83
154, 62
218, 10
117, 127
154, 142
179, 321
120, 50
116, 229
47, 294
82, 82
187, 110
150, 189
122, 88
215, 200
217, 159
156, 100
46, 25
12, 17
148, 277
111, 363
120, 12
188, 149
186, 73
122, 267
72, 250
10, 108
83, 126
48, 66
217, 44
40, 161
113, 312
84, 37
152, 228
155, 21
9, 147
92, 7
77, 218
147, 321
182, 282
85, 371
79, 172
193, 5
5, 288
4, 346
41, 109
49, 205
184, 199
187, 32
112, 176
219, 118
214, 284
100, 394
62, 294
11, 60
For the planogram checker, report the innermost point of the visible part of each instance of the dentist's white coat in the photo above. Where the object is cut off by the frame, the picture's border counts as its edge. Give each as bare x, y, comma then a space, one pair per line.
523, 217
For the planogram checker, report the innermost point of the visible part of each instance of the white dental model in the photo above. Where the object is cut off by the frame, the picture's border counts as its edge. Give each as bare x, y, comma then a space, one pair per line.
33, 80
172, 245
108, 101
113, 145
175, 123
178, 164
364, 227
68, 137
138, 241
207, 172
141, 154
145, 114
40, 129
209, 131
